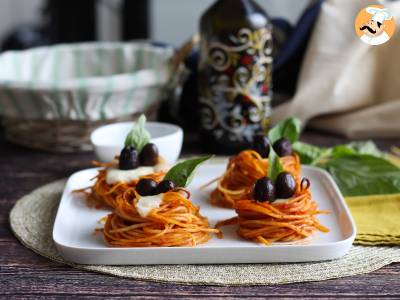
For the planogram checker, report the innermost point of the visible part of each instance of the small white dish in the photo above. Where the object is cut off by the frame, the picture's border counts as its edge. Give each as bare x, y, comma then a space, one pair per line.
108, 140
73, 231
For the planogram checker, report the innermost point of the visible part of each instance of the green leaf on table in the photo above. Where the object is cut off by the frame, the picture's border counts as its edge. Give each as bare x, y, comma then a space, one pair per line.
138, 137
367, 147
359, 168
309, 154
355, 148
274, 165
314, 155
182, 173
288, 128
363, 174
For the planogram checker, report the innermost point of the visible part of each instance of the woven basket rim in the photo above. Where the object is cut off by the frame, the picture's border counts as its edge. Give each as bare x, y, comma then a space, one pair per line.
93, 45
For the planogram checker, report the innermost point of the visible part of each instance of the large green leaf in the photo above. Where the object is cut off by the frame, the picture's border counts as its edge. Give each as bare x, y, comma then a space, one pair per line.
314, 155
367, 147
363, 174
182, 173
359, 168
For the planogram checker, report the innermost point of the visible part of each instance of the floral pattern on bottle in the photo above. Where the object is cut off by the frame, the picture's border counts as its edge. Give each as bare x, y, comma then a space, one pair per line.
235, 81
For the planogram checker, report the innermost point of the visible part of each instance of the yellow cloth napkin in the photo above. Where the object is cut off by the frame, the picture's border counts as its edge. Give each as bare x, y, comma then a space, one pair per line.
377, 219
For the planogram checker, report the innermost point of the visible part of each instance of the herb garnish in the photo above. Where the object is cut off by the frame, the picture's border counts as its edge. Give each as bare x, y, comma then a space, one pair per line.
182, 173
138, 137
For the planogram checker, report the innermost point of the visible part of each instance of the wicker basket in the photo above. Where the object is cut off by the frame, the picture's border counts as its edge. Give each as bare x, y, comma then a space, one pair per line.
52, 98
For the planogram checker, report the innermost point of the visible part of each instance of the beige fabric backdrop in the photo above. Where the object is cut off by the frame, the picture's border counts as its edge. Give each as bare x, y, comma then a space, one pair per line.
346, 86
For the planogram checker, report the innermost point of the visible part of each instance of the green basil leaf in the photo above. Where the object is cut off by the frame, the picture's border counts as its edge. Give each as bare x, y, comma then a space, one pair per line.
182, 173
359, 168
342, 150
362, 174
355, 148
138, 137
367, 147
309, 154
289, 128
274, 165
313, 155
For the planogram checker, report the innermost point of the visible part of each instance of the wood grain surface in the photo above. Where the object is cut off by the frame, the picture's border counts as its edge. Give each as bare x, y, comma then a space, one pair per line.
23, 274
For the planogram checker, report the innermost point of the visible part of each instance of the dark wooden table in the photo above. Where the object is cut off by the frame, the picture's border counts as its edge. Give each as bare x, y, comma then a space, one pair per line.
23, 274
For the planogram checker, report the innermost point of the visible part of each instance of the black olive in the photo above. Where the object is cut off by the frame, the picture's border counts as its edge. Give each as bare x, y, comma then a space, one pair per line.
146, 187
261, 145
283, 147
285, 185
149, 155
264, 190
165, 186
128, 159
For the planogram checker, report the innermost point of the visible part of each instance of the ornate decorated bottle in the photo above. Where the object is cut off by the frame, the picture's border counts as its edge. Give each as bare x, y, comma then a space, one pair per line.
234, 74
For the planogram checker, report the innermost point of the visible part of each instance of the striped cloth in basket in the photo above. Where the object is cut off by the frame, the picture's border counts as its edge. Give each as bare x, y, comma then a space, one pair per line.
88, 81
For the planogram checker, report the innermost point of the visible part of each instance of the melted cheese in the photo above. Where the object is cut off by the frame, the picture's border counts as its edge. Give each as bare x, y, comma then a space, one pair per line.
280, 201
146, 204
162, 166
115, 175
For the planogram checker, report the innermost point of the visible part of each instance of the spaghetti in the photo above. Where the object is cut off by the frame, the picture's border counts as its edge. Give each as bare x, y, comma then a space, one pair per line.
176, 222
241, 173
104, 194
280, 221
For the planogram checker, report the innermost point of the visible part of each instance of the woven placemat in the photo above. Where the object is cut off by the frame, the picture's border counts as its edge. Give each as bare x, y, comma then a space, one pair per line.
32, 220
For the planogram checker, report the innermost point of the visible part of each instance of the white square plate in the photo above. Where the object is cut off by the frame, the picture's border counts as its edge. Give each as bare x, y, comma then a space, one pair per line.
73, 231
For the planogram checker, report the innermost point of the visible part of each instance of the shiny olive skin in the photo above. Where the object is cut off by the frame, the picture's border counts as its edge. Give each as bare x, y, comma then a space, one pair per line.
128, 158
261, 145
285, 185
283, 147
165, 186
146, 187
264, 190
149, 155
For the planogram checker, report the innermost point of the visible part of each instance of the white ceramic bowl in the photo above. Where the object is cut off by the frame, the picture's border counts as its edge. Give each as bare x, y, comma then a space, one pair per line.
108, 140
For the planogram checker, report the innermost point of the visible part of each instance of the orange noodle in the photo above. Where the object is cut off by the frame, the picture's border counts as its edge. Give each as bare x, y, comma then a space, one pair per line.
242, 172
280, 221
104, 194
176, 222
